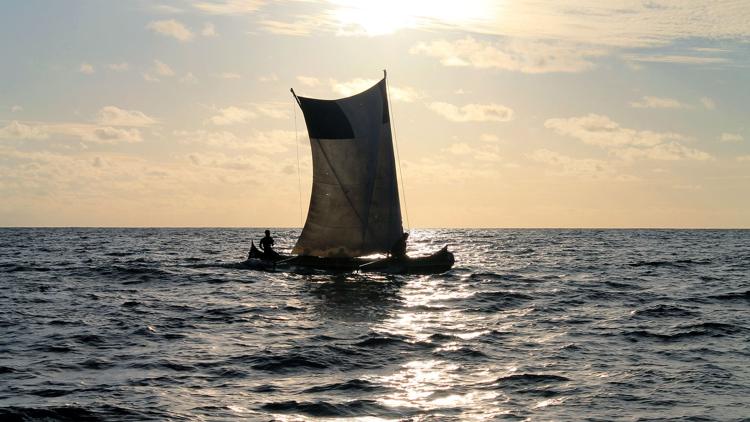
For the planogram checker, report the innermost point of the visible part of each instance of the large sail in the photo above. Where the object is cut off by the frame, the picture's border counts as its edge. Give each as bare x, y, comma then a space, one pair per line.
354, 206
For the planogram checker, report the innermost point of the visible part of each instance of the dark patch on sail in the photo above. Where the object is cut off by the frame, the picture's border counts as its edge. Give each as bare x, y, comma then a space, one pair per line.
325, 119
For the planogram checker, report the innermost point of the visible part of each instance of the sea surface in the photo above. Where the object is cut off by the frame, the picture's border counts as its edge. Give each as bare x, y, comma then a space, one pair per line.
162, 324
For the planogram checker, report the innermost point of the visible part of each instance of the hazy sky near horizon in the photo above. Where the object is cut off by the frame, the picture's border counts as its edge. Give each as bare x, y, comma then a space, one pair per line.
537, 113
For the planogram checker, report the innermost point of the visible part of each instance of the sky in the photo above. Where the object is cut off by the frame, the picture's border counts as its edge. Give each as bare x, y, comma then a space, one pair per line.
538, 113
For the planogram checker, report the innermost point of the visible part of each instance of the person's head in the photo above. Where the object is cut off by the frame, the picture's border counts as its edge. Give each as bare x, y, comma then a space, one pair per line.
406, 235
268, 232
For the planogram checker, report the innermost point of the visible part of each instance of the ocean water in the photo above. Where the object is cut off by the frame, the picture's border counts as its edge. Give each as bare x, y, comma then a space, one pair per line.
161, 324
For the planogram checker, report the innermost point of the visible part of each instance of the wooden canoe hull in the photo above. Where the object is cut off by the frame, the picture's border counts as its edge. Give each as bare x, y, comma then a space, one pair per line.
438, 262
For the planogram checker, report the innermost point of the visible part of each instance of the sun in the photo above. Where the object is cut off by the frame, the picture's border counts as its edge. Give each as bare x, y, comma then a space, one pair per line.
382, 17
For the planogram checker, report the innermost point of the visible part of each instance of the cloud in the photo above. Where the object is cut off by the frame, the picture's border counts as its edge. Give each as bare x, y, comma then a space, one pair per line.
743, 158
229, 75
680, 59
308, 81
473, 112
355, 86
115, 116
108, 135
595, 129
114, 125
119, 67
16, 109
86, 69
240, 114
527, 56
18, 130
708, 103
488, 153
84, 131
171, 28
273, 110
303, 26
161, 69
599, 130
670, 151
189, 78
228, 7
488, 137
263, 142
209, 30
231, 115
731, 137
588, 168
657, 102
268, 78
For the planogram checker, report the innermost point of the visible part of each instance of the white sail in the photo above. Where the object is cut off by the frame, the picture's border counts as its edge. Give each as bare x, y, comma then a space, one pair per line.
354, 206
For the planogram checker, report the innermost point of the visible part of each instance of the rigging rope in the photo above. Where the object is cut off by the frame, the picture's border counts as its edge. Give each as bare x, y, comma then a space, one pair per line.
398, 154
299, 177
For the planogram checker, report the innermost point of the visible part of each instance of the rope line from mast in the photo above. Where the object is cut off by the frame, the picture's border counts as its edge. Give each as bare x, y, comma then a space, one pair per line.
398, 153
299, 176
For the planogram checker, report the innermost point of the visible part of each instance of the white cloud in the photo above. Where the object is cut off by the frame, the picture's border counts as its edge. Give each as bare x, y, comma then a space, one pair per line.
657, 102
488, 137
86, 68
589, 168
19, 131
231, 115
670, 151
680, 59
308, 81
263, 142
708, 103
525, 56
595, 129
162, 69
148, 78
119, 67
86, 132
209, 30
171, 28
189, 78
487, 153
743, 158
109, 135
273, 110
229, 75
115, 116
240, 114
228, 7
303, 26
16, 109
473, 112
460, 148
108, 129
268, 78
731, 137
599, 130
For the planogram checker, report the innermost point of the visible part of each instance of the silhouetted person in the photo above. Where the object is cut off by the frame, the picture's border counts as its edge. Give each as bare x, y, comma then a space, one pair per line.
398, 250
266, 245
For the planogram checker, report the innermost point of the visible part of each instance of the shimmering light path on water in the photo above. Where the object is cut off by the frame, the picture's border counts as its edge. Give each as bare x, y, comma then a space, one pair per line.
541, 324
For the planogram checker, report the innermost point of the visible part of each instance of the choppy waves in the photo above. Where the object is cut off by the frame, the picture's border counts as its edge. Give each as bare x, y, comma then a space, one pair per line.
155, 324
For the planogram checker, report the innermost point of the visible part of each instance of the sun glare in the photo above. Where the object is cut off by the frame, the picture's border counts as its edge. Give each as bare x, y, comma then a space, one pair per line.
388, 16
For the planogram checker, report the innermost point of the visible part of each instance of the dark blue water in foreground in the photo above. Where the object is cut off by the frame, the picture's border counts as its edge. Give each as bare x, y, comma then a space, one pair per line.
158, 324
